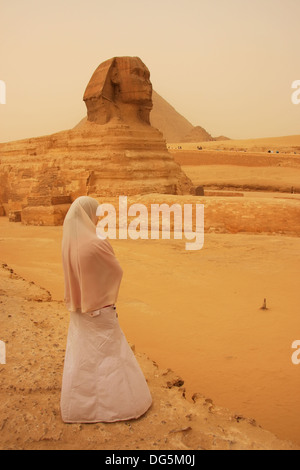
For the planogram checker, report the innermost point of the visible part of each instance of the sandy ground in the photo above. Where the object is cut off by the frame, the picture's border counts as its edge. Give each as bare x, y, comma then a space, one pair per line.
286, 144
256, 171
35, 329
198, 313
267, 178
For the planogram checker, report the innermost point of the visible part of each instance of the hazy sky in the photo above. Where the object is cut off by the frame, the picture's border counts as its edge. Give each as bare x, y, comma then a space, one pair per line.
227, 65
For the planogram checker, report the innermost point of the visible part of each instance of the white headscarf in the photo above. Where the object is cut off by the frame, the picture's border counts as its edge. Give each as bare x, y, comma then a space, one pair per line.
92, 273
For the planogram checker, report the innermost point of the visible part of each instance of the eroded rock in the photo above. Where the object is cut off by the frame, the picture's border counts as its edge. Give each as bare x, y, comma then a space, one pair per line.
115, 151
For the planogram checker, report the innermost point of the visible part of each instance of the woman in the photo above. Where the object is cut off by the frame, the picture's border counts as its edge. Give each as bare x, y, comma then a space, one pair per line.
102, 381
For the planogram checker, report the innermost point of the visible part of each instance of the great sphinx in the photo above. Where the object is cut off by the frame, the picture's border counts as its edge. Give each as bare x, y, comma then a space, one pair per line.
120, 90
113, 151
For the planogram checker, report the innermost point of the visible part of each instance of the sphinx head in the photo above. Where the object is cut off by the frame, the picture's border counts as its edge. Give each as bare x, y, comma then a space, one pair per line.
119, 88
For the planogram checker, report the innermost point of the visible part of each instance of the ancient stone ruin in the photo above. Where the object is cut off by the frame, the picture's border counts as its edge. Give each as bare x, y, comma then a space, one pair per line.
115, 151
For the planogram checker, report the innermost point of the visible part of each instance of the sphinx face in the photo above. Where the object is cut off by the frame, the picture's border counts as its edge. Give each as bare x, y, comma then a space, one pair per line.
120, 87
133, 79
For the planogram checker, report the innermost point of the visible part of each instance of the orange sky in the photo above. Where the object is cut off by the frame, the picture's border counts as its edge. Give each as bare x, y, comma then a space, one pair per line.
225, 65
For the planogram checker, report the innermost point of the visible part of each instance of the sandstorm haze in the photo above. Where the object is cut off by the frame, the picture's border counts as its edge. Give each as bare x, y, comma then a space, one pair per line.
226, 66
212, 328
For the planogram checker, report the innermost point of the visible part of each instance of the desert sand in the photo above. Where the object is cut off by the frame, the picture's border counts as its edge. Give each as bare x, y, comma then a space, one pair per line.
286, 144
35, 327
198, 313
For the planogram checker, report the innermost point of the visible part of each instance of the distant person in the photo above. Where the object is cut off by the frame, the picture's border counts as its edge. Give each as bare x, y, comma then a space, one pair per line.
102, 380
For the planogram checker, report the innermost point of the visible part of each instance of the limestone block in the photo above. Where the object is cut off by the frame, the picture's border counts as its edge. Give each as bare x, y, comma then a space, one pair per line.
45, 215
14, 216
48, 200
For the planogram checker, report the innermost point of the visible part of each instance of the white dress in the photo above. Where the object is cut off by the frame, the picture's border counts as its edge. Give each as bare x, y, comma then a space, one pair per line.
102, 380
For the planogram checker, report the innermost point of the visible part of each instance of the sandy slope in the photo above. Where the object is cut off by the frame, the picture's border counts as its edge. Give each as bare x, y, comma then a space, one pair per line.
35, 328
